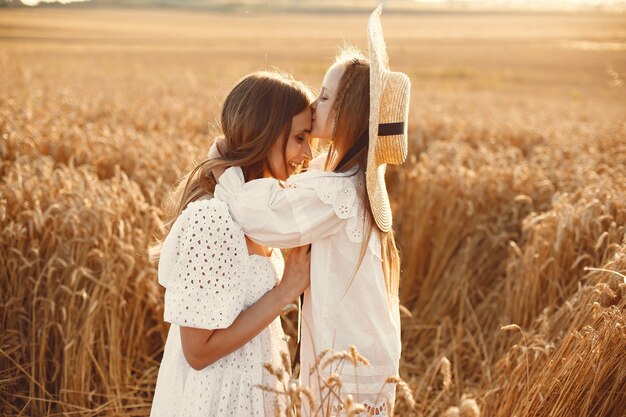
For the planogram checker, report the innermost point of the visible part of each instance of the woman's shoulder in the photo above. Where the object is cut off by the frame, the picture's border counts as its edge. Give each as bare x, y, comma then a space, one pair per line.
207, 218
204, 229
203, 209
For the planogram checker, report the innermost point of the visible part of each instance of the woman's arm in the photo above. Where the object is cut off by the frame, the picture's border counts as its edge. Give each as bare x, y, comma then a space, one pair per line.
203, 347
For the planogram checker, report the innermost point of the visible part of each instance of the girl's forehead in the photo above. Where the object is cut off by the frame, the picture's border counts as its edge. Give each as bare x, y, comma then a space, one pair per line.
333, 76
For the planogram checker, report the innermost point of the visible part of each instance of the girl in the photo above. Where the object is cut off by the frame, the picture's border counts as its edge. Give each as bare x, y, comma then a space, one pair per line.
224, 293
344, 213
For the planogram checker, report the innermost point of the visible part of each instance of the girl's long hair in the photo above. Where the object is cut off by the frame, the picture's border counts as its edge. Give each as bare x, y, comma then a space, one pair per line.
256, 113
352, 109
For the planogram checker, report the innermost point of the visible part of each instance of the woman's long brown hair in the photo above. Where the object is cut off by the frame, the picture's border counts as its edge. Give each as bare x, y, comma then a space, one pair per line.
352, 109
256, 113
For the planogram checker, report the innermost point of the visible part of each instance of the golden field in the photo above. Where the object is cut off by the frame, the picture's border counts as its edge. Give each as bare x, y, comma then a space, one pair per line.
510, 212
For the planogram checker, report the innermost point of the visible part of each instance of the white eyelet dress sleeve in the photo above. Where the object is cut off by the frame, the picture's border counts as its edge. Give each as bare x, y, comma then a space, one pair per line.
209, 279
205, 280
346, 303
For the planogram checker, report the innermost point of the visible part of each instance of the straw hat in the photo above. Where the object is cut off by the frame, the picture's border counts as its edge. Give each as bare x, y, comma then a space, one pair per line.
389, 112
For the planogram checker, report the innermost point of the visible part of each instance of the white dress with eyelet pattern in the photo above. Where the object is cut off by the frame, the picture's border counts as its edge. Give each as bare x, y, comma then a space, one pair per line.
210, 279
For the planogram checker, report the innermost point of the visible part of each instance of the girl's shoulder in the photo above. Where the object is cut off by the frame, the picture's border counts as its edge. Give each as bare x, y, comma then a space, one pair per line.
343, 191
336, 188
317, 163
319, 179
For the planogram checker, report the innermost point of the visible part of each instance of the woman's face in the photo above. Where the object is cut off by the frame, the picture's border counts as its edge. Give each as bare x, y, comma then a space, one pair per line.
298, 147
323, 112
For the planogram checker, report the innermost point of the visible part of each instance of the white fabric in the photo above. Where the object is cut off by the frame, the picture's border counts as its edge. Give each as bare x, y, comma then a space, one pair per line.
210, 279
326, 209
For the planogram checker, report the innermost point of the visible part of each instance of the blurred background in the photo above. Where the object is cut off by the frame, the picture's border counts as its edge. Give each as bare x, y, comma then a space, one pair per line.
510, 211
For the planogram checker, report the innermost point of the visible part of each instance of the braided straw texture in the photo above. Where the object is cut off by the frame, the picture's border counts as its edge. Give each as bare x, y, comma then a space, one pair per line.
389, 103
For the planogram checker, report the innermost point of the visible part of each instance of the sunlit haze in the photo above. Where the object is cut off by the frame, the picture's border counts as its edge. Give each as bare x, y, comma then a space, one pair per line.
35, 2
483, 3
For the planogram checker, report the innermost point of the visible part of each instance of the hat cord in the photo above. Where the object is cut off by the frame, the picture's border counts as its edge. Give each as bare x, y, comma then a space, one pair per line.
359, 145
384, 129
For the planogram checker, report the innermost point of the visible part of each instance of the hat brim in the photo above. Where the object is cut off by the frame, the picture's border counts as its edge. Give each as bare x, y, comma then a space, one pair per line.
375, 174
388, 122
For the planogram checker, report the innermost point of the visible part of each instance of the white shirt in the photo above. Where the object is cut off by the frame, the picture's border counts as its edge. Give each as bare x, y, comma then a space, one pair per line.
326, 210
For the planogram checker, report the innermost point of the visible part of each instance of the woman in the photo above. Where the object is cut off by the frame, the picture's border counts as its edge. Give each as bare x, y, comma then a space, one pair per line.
224, 293
344, 213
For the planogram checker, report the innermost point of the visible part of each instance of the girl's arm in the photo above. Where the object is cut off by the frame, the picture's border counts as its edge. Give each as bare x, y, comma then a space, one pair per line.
203, 347
307, 208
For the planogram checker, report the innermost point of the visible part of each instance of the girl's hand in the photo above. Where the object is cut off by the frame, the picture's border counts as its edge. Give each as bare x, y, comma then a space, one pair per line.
203, 347
214, 152
297, 275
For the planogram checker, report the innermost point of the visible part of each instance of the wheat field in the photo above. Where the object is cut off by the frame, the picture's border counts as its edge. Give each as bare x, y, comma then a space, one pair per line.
510, 212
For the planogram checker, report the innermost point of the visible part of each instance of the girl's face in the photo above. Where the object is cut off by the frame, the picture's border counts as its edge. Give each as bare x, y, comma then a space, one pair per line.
323, 112
298, 147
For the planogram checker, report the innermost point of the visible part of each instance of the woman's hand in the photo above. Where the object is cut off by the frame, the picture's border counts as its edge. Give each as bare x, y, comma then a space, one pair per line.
297, 275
